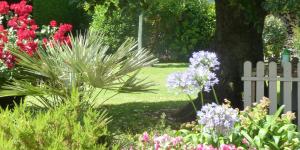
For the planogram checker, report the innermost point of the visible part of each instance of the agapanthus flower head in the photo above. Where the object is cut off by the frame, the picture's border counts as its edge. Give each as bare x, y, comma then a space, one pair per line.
199, 76
204, 59
183, 82
217, 118
204, 77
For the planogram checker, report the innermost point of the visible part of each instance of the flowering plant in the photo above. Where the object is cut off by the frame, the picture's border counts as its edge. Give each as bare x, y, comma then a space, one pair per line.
218, 119
198, 77
18, 29
167, 142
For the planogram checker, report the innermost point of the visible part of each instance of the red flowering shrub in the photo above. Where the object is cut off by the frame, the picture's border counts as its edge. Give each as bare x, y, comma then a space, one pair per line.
19, 29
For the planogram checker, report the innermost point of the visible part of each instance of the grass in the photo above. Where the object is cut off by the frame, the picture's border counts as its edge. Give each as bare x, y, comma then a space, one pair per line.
135, 113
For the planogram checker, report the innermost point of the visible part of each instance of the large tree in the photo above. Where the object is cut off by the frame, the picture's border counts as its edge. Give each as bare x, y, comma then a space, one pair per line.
239, 27
238, 39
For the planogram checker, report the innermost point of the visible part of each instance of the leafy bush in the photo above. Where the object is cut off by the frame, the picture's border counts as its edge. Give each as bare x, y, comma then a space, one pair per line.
73, 125
172, 28
253, 129
264, 131
60, 10
296, 41
274, 37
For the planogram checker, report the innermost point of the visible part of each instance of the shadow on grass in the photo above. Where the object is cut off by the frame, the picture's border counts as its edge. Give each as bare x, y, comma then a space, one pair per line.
137, 117
171, 65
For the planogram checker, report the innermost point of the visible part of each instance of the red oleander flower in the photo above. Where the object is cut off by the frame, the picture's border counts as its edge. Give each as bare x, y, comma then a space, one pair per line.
4, 7
53, 23
21, 9
25, 34
65, 28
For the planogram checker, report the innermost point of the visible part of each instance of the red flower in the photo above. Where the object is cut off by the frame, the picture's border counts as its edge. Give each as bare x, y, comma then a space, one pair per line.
25, 34
21, 8
34, 27
65, 28
53, 23
4, 7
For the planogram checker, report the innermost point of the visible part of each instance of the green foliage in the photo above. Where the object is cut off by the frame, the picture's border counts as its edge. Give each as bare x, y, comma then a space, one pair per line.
274, 37
264, 131
172, 28
296, 40
73, 125
60, 10
282, 6
85, 64
256, 130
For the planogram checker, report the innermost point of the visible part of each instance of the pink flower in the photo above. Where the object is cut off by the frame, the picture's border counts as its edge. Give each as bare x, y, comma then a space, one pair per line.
205, 147
245, 141
4, 7
227, 147
145, 137
21, 8
53, 23
176, 141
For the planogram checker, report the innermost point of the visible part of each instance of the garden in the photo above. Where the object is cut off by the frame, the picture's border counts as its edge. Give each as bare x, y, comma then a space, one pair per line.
143, 75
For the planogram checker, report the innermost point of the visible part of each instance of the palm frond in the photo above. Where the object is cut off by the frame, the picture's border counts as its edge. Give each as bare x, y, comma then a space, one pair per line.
57, 68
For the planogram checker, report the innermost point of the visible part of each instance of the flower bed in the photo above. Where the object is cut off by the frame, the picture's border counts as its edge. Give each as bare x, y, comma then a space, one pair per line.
220, 127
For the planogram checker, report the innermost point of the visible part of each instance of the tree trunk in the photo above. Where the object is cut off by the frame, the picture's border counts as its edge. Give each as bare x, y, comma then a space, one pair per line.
238, 38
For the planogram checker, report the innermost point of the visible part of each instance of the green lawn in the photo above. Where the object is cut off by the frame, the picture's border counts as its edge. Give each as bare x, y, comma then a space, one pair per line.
138, 112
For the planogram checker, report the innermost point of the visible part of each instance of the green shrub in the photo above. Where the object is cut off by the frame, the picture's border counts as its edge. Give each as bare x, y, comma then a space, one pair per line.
255, 129
61, 11
296, 41
73, 125
171, 28
263, 131
274, 37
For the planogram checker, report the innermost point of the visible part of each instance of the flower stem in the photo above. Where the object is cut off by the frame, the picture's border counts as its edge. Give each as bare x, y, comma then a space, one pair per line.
192, 103
215, 95
202, 99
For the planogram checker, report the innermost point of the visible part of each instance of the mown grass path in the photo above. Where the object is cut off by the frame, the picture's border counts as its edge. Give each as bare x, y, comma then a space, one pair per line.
138, 112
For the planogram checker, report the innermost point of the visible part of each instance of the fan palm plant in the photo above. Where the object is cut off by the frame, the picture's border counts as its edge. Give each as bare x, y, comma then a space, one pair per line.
86, 64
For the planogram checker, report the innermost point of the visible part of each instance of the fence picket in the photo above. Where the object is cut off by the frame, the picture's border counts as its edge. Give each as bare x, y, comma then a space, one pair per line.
247, 83
287, 86
260, 72
273, 87
288, 90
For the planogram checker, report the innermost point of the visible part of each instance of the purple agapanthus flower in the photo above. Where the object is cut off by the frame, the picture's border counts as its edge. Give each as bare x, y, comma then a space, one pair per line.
199, 76
217, 118
204, 59
183, 81
204, 77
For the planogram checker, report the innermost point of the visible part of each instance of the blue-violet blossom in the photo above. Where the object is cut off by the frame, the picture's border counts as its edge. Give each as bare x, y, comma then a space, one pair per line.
217, 118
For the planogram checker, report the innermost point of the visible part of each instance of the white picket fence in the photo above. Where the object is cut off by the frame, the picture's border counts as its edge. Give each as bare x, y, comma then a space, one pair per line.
255, 81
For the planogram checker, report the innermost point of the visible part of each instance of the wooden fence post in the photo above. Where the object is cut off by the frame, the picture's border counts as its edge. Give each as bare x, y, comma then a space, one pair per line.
260, 73
287, 86
247, 83
273, 87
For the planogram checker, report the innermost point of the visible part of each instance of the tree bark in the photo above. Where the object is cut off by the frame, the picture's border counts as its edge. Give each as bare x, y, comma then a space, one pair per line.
238, 39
